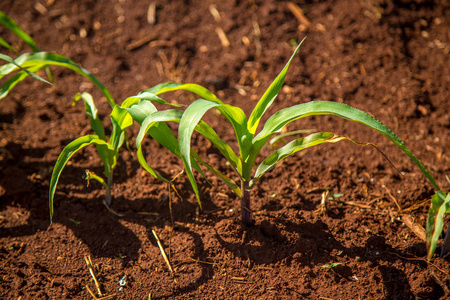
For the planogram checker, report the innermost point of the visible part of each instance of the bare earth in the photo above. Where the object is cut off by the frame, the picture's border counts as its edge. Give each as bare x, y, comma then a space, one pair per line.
388, 58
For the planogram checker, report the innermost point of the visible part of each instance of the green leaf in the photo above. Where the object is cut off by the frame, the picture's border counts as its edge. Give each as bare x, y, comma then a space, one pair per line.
7, 46
167, 139
277, 121
269, 96
238, 120
14, 80
204, 129
229, 182
32, 74
435, 221
154, 124
291, 148
67, 153
121, 120
201, 91
331, 266
189, 121
91, 111
41, 60
18, 31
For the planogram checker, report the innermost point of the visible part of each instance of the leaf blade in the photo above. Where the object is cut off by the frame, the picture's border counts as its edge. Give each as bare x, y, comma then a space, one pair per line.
65, 156
277, 121
269, 96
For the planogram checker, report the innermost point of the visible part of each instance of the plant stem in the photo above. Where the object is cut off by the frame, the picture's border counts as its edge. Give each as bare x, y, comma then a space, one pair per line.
245, 204
108, 197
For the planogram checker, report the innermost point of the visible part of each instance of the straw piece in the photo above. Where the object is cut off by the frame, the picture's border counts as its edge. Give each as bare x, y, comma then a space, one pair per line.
298, 13
151, 13
91, 270
162, 251
223, 37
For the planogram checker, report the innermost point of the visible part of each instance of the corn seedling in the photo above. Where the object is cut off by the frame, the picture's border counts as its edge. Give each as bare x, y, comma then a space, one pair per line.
440, 205
10, 24
250, 142
30, 63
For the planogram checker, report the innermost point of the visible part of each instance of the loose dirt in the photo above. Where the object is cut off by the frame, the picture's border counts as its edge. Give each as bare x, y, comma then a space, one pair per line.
388, 58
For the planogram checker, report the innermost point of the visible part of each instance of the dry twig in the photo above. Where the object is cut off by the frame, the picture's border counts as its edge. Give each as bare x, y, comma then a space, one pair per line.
416, 228
223, 37
298, 13
151, 13
163, 252
91, 270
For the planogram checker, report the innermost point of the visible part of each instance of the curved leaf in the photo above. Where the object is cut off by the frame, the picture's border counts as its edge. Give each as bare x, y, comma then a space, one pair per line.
435, 222
269, 96
14, 80
18, 31
201, 91
32, 74
277, 121
189, 121
292, 147
134, 100
7, 46
67, 153
154, 124
41, 60
91, 111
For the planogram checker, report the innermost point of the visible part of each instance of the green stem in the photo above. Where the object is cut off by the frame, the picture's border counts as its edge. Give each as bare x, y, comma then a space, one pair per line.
91, 175
108, 197
245, 203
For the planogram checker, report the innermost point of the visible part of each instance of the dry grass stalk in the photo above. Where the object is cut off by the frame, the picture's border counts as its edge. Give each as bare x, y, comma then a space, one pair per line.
213, 10
223, 37
91, 270
151, 13
163, 252
298, 13
416, 228
139, 43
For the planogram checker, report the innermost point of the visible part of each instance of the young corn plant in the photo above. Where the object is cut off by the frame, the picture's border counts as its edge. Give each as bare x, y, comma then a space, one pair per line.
250, 142
108, 148
30, 63
440, 205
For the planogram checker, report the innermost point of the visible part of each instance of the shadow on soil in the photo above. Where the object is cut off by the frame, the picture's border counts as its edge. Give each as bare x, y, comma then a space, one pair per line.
105, 236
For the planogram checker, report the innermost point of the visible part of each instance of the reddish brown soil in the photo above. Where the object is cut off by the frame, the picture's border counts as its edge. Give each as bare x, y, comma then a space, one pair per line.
389, 58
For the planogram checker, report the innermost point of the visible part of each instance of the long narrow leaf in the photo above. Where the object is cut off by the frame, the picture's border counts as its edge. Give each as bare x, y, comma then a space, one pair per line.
155, 125
67, 153
269, 96
10, 60
201, 91
15, 28
7, 46
188, 122
229, 182
15, 79
91, 110
204, 129
435, 223
293, 147
41, 60
287, 115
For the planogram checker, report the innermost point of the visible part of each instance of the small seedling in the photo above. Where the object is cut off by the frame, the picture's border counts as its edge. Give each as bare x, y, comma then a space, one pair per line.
331, 266
440, 205
250, 142
75, 221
